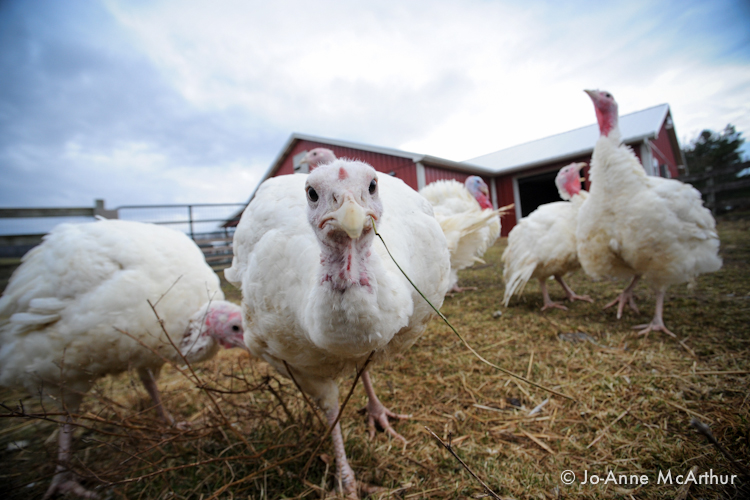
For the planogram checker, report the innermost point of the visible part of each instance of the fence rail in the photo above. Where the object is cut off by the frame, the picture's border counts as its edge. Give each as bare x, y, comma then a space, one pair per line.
722, 189
210, 225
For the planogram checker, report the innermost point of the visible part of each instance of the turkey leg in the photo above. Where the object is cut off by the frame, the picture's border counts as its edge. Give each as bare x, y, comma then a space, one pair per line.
569, 291
625, 296
657, 324
547, 301
63, 481
344, 472
149, 382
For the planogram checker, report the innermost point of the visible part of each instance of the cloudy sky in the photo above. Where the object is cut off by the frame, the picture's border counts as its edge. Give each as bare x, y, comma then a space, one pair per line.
149, 102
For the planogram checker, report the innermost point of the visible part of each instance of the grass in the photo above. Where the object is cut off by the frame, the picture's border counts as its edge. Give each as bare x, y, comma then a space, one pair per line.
634, 400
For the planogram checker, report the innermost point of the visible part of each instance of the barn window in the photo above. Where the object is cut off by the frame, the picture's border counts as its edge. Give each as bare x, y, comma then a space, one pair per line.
300, 168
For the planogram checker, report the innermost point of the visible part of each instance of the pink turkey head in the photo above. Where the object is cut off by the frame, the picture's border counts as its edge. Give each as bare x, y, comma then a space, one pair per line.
318, 156
478, 189
341, 198
217, 323
568, 180
606, 110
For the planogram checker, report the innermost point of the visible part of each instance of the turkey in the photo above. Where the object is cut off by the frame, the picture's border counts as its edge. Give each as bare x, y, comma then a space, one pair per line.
318, 156
465, 214
637, 226
320, 294
65, 311
543, 244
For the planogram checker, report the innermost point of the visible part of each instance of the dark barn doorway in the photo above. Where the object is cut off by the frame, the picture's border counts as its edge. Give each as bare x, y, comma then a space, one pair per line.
537, 190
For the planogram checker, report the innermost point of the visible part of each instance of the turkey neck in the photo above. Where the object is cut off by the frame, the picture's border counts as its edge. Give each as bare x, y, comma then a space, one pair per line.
357, 306
614, 167
345, 263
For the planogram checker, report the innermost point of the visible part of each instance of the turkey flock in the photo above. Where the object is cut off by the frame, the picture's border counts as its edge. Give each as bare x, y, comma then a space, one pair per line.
336, 268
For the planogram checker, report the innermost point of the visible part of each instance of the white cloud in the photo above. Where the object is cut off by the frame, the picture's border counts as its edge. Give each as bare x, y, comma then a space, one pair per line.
189, 101
455, 80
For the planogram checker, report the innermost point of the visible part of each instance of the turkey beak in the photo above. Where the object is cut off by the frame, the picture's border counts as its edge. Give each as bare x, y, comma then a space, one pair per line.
580, 167
593, 94
238, 342
351, 217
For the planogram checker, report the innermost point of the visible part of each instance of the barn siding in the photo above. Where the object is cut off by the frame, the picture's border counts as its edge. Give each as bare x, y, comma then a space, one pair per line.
665, 155
504, 189
432, 174
403, 168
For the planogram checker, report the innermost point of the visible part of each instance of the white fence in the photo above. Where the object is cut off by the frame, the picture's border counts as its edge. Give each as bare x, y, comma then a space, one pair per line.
210, 225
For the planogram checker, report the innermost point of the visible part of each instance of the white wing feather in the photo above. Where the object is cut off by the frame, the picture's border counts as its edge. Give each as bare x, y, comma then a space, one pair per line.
469, 230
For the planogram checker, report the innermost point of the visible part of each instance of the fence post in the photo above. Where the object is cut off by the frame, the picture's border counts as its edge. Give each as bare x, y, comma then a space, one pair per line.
103, 212
190, 218
711, 191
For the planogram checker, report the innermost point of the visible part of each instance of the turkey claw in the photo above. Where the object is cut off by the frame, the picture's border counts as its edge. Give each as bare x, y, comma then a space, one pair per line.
182, 425
581, 297
381, 415
555, 305
61, 485
653, 326
620, 301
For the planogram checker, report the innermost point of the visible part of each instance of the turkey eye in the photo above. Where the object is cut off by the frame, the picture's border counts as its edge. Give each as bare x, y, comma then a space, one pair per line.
235, 328
373, 186
312, 194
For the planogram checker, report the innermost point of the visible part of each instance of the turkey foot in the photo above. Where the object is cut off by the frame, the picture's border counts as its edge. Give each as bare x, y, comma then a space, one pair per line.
63, 481
547, 301
63, 484
654, 326
625, 296
376, 412
458, 289
657, 324
570, 293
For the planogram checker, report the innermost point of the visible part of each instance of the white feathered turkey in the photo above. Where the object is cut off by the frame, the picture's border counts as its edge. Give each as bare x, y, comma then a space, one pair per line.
465, 214
637, 226
64, 311
320, 293
543, 244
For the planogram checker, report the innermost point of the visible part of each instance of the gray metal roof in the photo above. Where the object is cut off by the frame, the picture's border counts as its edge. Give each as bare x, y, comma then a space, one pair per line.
634, 127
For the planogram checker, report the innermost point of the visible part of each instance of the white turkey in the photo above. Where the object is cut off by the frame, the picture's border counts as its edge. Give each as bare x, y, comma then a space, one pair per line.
637, 226
65, 310
543, 244
318, 156
319, 291
465, 214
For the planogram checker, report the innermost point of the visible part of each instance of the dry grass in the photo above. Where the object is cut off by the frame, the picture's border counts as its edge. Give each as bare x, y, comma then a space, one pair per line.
634, 400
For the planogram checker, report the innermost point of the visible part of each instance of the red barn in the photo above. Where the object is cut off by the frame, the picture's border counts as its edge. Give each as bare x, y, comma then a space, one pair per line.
523, 174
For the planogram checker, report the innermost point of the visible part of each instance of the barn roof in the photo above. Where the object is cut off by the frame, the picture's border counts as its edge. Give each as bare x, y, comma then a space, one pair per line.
415, 157
635, 127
